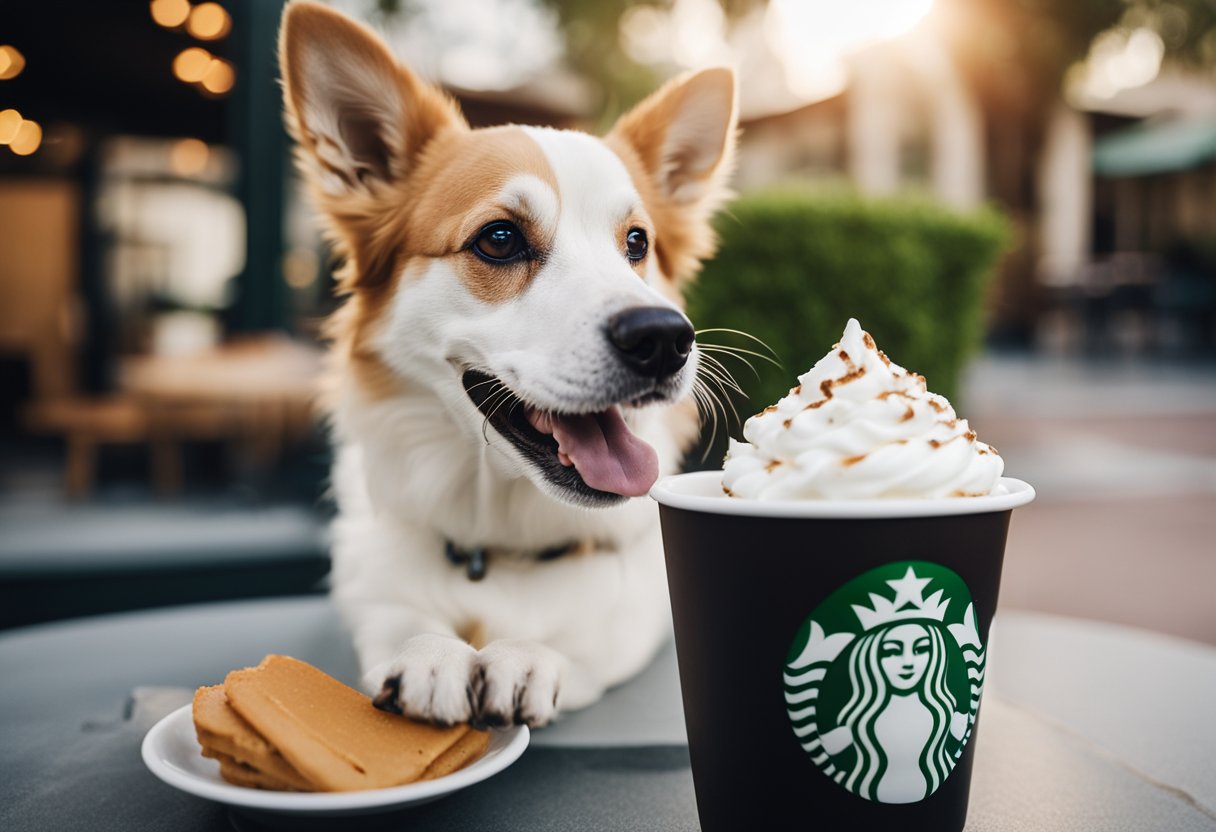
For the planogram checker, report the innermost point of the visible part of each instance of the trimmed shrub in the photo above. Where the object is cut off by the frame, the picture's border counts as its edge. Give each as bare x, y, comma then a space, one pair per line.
794, 265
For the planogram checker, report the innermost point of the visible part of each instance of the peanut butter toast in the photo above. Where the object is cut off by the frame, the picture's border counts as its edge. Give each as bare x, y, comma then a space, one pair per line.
330, 733
224, 734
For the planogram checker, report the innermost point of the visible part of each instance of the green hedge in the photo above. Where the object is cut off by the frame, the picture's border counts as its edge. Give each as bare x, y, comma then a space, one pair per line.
795, 265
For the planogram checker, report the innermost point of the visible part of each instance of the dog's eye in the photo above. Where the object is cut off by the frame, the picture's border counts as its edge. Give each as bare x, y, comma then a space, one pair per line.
636, 244
500, 242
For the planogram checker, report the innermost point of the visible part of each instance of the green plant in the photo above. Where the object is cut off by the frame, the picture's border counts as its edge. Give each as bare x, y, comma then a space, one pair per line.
795, 264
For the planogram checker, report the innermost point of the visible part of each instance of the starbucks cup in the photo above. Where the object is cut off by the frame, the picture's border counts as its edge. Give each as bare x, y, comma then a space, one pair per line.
832, 653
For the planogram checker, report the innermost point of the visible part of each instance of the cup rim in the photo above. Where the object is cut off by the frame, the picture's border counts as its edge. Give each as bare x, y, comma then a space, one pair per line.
702, 491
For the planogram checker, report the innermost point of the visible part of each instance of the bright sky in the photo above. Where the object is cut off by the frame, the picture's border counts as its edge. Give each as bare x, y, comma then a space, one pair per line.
791, 53
475, 44
814, 37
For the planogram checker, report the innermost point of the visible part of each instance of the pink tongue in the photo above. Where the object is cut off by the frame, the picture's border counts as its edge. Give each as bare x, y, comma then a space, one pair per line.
606, 454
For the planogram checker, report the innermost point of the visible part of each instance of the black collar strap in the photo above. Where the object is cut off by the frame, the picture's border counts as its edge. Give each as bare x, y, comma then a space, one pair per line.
474, 560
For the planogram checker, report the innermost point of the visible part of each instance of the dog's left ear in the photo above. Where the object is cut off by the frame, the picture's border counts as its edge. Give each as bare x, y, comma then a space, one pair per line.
683, 138
684, 134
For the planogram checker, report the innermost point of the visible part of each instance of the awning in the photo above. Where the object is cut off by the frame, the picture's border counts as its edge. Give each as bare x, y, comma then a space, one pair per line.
1158, 147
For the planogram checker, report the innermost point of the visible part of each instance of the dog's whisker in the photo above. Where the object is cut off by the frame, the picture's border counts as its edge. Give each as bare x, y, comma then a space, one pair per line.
731, 354
715, 406
739, 352
503, 397
495, 398
715, 368
741, 333
483, 383
723, 383
706, 403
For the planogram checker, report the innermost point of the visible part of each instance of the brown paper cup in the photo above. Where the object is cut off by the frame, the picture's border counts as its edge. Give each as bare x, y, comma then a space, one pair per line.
832, 653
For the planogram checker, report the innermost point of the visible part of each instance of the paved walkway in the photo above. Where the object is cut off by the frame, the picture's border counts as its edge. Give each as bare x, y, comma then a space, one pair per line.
1124, 461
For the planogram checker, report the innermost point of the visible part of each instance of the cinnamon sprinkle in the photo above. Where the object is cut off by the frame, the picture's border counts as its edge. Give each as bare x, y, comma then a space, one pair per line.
772, 466
908, 414
852, 460
934, 404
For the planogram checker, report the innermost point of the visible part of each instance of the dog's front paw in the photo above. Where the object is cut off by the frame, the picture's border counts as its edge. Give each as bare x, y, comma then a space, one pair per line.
431, 680
517, 683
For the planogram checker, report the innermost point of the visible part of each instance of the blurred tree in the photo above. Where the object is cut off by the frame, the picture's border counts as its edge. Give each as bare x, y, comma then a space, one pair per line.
593, 49
1015, 54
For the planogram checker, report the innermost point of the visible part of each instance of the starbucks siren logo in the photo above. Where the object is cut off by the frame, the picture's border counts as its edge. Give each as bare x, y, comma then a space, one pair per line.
883, 683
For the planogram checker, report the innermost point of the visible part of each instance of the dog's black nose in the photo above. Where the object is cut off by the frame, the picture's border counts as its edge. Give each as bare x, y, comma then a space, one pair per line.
654, 341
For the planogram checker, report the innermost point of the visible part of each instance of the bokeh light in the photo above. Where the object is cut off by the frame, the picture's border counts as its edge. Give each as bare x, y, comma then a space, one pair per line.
192, 64
11, 62
28, 138
209, 21
10, 123
219, 77
1119, 59
170, 13
813, 37
188, 157
301, 267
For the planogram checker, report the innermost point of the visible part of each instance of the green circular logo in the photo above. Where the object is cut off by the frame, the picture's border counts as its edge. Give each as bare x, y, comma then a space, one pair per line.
883, 681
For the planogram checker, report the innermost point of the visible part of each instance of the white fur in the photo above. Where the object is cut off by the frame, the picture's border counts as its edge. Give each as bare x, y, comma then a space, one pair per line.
422, 467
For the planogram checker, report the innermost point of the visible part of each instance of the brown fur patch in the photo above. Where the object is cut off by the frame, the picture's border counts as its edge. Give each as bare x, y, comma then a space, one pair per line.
455, 193
433, 215
683, 234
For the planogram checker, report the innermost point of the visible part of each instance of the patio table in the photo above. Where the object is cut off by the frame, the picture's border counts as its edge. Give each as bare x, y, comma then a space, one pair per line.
1085, 726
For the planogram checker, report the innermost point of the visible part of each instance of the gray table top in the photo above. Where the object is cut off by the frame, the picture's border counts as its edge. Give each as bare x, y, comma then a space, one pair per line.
1086, 726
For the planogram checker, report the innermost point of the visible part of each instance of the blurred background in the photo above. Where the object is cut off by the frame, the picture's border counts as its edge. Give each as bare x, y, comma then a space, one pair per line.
1016, 197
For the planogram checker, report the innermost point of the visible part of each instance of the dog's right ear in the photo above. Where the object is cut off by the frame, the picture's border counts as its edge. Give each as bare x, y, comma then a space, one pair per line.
359, 115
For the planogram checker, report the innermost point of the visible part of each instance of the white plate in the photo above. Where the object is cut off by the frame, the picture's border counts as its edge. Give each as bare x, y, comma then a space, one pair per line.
172, 752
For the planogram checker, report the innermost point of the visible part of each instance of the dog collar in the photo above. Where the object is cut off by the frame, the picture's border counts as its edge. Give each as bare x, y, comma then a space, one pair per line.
475, 559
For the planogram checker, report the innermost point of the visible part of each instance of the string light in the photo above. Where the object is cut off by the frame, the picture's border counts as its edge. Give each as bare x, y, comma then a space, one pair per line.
219, 78
29, 136
170, 13
10, 123
192, 64
209, 21
11, 62
188, 157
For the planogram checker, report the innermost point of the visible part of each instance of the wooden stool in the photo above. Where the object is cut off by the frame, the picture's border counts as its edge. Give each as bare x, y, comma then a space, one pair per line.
86, 422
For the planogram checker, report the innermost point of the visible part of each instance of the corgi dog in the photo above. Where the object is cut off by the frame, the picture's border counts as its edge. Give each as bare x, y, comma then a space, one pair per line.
511, 371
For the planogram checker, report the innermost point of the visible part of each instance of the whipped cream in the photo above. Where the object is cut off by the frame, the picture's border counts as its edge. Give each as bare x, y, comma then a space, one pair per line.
859, 426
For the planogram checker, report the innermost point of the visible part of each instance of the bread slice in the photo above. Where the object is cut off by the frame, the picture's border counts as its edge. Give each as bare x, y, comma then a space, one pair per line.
330, 733
467, 749
240, 774
225, 734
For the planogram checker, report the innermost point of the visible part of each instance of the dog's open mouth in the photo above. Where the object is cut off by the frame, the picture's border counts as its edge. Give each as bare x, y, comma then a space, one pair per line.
592, 455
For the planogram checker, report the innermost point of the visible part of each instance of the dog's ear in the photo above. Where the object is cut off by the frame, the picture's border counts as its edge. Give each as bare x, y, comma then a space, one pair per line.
684, 134
359, 115
683, 139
